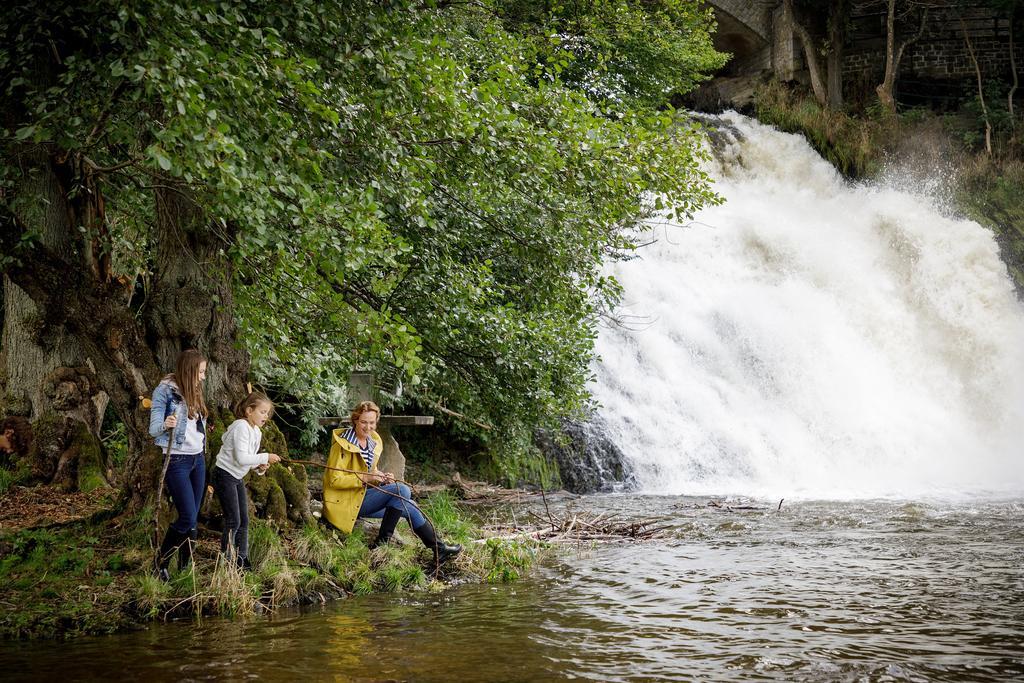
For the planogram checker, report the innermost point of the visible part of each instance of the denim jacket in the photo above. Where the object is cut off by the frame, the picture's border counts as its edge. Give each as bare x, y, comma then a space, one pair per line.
167, 401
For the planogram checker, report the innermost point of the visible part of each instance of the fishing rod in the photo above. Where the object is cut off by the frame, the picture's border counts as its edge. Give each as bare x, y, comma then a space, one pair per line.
358, 472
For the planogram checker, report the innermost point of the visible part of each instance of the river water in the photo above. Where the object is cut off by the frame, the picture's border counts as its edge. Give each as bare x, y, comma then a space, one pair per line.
816, 591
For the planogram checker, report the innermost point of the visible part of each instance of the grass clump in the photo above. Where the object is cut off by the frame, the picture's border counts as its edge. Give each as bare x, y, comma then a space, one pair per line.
509, 559
855, 146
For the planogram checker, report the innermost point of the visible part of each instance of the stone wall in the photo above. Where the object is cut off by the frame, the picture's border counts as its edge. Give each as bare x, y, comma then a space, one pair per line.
937, 65
935, 68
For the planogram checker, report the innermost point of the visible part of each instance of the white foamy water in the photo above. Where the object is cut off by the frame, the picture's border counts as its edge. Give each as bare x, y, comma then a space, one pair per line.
815, 338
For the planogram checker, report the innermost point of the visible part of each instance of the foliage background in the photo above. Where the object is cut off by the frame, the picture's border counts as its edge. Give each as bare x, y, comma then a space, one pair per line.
422, 189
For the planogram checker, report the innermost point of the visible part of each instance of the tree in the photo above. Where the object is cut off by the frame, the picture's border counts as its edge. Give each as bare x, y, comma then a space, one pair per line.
640, 52
981, 87
1009, 8
827, 82
319, 186
894, 48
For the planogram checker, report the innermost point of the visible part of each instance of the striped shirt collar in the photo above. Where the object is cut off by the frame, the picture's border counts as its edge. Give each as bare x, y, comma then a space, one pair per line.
367, 452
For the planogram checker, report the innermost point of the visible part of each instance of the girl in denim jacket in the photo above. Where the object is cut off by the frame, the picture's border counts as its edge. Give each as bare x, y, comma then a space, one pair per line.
179, 416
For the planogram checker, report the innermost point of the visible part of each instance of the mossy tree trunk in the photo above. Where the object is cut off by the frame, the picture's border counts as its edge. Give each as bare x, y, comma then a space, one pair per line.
46, 374
108, 346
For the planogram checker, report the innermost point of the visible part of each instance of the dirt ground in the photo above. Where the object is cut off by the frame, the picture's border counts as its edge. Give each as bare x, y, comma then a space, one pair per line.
27, 507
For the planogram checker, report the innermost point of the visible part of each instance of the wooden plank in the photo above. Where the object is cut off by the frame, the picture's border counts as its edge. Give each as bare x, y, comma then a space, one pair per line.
385, 420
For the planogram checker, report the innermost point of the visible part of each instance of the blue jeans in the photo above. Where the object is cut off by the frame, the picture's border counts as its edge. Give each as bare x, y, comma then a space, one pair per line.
235, 504
375, 502
186, 482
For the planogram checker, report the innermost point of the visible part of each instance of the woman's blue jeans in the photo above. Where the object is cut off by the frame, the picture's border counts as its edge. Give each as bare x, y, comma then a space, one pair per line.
376, 501
186, 482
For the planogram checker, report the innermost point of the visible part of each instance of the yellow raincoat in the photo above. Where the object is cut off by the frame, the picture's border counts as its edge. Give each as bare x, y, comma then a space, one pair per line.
344, 491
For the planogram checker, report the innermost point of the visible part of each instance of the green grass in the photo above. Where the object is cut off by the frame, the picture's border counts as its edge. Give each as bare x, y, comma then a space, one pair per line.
854, 145
63, 581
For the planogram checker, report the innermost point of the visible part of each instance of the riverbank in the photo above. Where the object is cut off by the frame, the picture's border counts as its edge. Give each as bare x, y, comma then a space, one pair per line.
67, 575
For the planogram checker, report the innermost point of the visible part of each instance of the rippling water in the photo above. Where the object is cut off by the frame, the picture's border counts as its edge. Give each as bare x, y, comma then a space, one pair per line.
819, 591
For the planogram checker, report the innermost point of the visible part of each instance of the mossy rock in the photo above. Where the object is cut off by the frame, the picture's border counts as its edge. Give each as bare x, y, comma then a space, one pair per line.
275, 507
67, 454
91, 473
281, 494
51, 432
220, 420
273, 440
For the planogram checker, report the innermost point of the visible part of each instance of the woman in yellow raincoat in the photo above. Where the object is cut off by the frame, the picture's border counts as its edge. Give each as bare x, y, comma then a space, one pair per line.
354, 486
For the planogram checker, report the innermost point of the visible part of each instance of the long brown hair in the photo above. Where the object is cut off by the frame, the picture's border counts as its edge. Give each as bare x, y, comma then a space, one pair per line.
186, 376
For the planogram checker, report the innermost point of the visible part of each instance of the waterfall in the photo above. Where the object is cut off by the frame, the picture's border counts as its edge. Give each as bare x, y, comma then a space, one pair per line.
812, 337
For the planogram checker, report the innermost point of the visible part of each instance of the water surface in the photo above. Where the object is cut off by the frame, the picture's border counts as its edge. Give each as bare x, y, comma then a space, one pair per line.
819, 591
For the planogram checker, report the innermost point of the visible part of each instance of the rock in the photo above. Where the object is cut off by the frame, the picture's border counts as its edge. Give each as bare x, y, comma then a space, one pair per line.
588, 460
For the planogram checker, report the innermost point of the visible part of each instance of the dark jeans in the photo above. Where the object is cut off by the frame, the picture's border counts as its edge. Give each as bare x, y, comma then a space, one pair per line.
235, 504
375, 502
186, 482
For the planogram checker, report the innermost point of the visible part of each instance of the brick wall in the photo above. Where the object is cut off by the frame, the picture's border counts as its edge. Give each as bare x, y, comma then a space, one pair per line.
939, 59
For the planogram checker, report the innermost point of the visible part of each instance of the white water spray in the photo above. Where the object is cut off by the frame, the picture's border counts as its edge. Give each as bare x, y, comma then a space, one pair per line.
816, 338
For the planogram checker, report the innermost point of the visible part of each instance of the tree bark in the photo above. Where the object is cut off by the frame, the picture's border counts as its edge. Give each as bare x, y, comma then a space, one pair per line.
838, 11
34, 347
123, 354
1013, 72
810, 55
893, 56
981, 89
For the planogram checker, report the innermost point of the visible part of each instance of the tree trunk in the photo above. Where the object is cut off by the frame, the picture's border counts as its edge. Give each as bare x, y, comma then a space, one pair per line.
810, 55
893, 56
46, 374
119, 353
836, 40
1013, 72
885, 88
189, 305
981, 89
34, 348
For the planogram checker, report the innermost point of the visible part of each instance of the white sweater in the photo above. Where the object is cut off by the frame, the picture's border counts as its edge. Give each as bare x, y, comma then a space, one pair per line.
239, 449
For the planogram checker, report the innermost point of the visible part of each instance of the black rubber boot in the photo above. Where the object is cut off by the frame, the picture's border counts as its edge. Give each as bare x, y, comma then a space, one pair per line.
442, 551
185, 549
387, 527
172, 539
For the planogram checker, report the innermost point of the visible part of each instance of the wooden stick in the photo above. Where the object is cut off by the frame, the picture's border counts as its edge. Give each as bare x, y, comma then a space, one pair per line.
160, 495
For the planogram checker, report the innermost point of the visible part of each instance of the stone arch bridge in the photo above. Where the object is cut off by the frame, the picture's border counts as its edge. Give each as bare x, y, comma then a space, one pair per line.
756, 33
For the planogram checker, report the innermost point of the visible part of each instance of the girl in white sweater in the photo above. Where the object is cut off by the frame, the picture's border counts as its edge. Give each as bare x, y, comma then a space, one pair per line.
239, 453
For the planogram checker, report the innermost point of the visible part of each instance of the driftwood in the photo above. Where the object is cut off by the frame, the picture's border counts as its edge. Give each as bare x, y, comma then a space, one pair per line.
471, 492
574, 526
